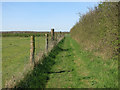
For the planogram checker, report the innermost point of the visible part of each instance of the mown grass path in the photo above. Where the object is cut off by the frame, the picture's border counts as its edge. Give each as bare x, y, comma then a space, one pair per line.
67, 66
80, 69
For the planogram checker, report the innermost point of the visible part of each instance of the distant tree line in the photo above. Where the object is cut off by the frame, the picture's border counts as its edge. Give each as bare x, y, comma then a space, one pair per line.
26, 33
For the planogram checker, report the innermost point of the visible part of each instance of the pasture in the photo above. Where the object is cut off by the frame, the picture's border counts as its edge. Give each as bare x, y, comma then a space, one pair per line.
15, 55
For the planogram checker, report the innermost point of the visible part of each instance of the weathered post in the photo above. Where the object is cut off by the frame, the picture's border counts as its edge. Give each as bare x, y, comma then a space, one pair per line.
52, 34
60, 33
32, 50
56, 36
46, 43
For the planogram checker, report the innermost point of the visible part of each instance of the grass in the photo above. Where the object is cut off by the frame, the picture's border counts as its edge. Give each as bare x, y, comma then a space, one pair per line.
68, 66
15, 55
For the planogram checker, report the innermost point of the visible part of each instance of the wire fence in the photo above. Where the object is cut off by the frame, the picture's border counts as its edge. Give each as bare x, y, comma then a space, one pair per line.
16, 56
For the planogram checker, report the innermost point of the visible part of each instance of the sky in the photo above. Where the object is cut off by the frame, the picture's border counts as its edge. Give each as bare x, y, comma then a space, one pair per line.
42, 16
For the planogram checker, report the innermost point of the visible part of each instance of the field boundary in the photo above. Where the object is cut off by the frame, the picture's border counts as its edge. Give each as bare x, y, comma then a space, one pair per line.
51, 42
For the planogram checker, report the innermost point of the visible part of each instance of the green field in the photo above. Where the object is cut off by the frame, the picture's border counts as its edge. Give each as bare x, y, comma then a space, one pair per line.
68, 66
15, 55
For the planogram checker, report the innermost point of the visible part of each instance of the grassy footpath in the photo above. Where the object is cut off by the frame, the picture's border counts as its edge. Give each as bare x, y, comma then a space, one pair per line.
85, 69
68, 66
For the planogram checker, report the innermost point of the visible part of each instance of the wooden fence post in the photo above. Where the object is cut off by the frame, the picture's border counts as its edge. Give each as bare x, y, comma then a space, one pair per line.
56, 36
32, 50
52, 34
60, 33
46, 44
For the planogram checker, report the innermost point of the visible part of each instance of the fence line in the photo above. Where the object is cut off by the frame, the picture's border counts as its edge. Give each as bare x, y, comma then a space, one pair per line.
51, 40
49, 44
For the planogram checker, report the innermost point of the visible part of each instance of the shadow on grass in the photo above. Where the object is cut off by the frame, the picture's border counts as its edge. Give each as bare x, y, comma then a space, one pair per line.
38, 78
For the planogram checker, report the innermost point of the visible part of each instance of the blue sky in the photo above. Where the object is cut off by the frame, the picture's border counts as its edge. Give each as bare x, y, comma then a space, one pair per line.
42, 16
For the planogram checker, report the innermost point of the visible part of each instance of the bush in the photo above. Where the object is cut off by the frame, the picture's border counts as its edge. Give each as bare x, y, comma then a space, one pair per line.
97, 31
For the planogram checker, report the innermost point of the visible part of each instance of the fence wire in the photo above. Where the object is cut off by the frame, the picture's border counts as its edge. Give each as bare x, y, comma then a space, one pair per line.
16, 56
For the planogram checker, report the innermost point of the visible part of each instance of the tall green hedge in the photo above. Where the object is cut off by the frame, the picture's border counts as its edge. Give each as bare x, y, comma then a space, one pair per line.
97, 31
